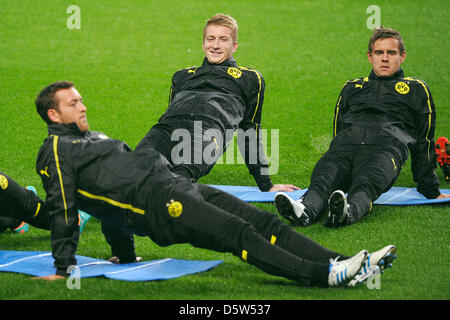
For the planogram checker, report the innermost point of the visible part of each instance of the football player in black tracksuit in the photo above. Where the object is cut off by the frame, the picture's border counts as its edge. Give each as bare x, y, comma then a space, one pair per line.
209, 103
136, 193
378, 120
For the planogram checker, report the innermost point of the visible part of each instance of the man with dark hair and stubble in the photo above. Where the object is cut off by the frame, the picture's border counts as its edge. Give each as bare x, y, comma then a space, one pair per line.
378, 121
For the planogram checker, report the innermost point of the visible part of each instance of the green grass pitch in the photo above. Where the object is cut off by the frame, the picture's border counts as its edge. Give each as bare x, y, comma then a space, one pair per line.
122, 59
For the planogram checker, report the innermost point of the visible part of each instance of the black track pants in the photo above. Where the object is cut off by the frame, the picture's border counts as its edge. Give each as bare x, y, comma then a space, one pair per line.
20, 204
364, 172
215, 220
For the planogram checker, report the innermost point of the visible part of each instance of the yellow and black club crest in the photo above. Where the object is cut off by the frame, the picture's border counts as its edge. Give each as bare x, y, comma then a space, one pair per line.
234, 72
3, 182
175, 208
402, 87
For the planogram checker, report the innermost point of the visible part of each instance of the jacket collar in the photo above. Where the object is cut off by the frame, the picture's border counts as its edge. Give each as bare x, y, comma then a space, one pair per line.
64, 129
398, 75
230, 62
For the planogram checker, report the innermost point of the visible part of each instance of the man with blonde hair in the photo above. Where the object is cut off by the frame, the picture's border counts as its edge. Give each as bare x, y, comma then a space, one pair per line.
223, 20
209, 102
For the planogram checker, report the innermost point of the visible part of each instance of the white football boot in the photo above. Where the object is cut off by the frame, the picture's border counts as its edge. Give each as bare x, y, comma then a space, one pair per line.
375, 262
338, 209
342, 272
293, 211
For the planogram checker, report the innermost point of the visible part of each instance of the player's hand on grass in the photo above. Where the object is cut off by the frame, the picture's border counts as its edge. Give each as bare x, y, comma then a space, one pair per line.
284, 188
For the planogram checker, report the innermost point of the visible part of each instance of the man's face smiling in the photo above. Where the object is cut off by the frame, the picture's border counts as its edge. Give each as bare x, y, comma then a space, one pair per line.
218, 44
70, 109
385, 57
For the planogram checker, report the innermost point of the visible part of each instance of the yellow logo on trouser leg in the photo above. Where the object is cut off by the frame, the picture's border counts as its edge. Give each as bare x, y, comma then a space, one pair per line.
175, 208
3, 182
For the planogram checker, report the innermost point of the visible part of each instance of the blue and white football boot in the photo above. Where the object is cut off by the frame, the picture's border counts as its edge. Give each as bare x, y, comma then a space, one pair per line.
376, 262
343, 272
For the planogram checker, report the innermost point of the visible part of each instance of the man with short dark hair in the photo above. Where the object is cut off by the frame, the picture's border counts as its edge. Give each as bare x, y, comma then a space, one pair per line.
211, 102
378, 120
136, 193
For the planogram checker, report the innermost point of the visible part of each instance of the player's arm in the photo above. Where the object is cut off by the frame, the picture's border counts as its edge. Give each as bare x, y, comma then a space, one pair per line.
338, 113
249, 137
121, 243
172, 90
251, 148
250, 140
178, 79
423, 152
58, 177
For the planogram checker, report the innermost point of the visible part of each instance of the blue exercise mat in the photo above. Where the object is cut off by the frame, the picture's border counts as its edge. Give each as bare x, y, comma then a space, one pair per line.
394, 196
38, 264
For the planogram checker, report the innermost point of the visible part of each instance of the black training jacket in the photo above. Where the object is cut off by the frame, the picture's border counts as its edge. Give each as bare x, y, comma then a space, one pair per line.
99, 175
231, 96
395, 112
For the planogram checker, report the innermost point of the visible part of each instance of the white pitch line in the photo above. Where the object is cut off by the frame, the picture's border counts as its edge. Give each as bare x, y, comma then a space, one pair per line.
23, 259
398, 195
94, 263
142, 266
